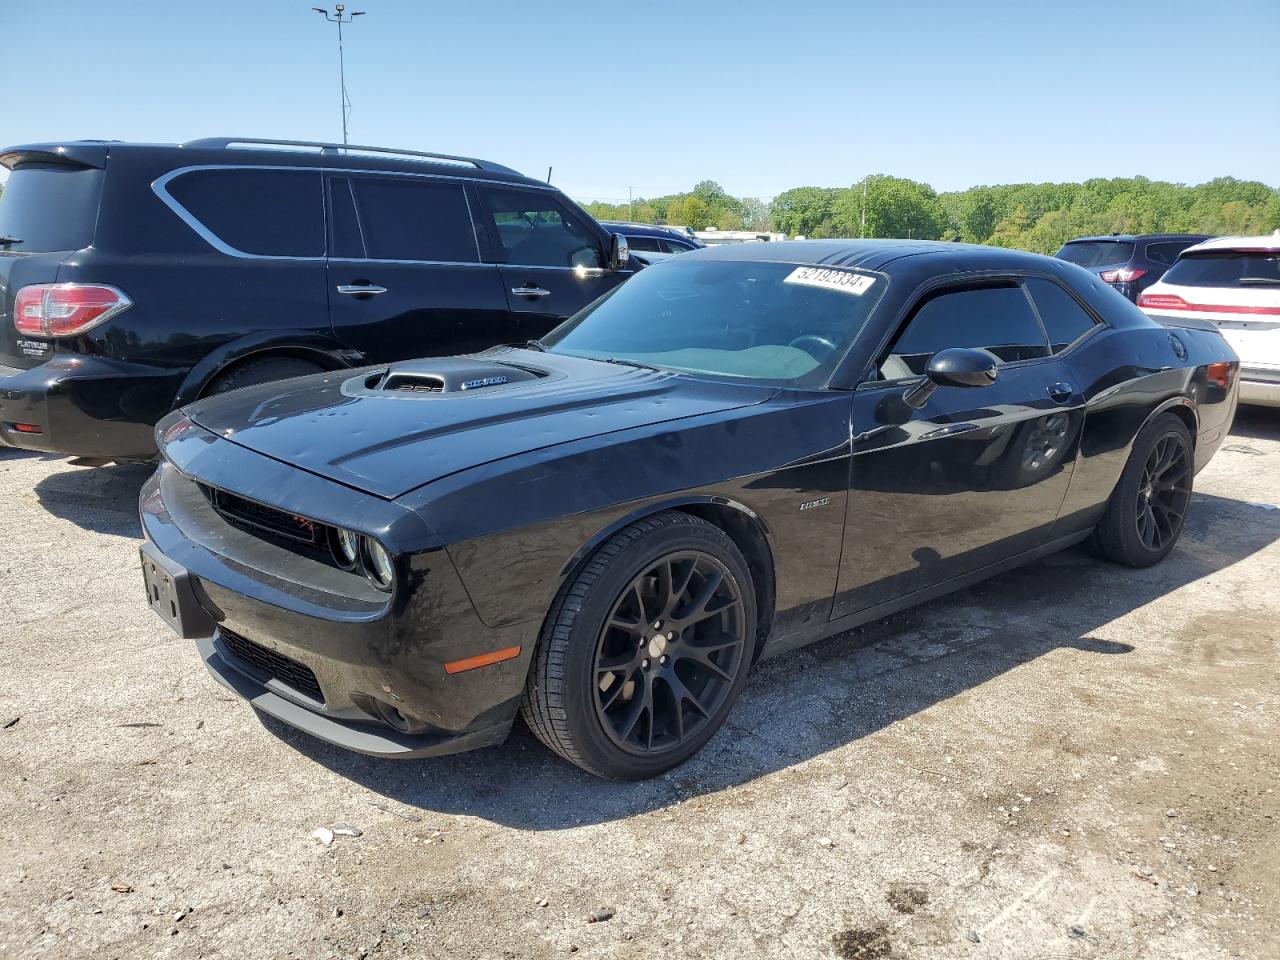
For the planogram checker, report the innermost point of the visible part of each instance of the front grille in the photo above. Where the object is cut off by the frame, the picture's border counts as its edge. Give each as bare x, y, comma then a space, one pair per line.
269, 519
276, 665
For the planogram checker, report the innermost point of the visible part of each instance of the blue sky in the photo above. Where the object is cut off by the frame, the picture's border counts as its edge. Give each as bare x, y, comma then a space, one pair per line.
658, 95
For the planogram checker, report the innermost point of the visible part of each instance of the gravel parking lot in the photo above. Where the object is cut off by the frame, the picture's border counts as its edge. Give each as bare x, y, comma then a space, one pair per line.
1072, 760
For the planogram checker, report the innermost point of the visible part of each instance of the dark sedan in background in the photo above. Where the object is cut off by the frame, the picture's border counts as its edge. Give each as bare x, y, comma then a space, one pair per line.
652, 242
1129, 262
737, 452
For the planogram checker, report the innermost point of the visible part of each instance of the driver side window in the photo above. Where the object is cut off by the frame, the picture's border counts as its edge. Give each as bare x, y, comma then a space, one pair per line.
992, 316
531, 229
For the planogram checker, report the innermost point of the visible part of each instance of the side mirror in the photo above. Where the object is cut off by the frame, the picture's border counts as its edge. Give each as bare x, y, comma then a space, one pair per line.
619, 252
954, 367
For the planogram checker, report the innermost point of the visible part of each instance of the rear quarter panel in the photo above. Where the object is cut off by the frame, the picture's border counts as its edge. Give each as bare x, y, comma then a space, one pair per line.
1128, 376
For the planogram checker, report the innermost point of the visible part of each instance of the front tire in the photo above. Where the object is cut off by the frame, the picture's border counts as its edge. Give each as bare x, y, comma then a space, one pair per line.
644, 654
1148, 508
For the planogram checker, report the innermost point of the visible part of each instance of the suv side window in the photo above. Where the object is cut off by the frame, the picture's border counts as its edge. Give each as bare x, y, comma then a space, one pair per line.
1168, 252
1064, 319
531, 229
269, 213
994, 316
408, 218
651, 244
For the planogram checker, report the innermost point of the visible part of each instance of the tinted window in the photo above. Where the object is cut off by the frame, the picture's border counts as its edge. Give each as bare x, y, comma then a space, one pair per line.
757, 320
674, 246
1064, 319
405, 219
274, 213
50, 208
346, 239
532, 229
1226, 269
1096, 253
995, 318
1167, 250
652, 244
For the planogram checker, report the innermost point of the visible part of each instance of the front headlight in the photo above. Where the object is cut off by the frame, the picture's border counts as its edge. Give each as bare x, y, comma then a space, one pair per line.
346, 548
377, 564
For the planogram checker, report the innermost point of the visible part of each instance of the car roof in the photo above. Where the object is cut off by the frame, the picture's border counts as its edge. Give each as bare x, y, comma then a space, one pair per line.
1264, 244
877, 254
246, 150
1132, 237
648, 229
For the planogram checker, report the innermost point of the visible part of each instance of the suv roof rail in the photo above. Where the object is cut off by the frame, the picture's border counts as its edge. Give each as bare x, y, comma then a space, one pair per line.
334, 149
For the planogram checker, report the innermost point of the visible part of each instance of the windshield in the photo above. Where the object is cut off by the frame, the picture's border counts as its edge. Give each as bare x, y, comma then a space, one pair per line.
1225, 268
1096, 253
754, 320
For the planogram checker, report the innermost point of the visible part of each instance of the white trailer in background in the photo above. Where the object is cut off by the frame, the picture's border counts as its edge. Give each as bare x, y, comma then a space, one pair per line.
714, 237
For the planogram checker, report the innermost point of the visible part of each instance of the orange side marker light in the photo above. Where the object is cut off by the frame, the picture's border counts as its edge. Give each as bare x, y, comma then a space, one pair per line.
483, 660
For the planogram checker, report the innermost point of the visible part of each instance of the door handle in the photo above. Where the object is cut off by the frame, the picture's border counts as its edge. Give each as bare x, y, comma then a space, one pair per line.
360, 289
531, 292
1060, 392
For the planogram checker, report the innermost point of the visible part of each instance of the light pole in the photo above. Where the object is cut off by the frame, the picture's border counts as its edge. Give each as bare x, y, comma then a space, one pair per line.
337, 17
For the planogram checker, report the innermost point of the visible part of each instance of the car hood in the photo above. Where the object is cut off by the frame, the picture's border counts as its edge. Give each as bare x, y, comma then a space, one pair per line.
388, 430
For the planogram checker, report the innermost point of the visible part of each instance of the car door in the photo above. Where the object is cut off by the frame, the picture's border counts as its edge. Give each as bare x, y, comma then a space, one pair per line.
974, 477
406, 278
553, 259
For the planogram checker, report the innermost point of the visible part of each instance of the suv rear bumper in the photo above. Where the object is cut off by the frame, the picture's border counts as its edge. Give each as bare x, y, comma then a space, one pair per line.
86, 406
1260, 385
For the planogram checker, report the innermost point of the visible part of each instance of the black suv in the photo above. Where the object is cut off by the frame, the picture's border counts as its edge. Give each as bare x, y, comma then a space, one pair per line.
1129, 262
135, 278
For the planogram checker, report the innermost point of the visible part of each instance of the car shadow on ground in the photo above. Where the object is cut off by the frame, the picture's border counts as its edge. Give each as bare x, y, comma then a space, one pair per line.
100, 499
831, 694
1255, 423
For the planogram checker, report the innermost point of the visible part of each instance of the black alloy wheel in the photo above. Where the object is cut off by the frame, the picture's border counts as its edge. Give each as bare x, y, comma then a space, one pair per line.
1165, 491
669, 652
645, 649
1148, 507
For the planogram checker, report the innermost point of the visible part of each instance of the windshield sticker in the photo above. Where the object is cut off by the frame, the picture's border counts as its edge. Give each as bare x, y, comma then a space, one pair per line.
843, 280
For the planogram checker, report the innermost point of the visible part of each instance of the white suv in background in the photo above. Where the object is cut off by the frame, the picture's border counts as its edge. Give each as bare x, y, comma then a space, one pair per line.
1234, 283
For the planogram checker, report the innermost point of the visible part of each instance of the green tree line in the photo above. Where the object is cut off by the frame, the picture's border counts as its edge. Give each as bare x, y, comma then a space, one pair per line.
1028, 216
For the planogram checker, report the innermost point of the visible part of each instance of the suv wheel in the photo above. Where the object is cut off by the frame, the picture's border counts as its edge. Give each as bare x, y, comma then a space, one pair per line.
263, 370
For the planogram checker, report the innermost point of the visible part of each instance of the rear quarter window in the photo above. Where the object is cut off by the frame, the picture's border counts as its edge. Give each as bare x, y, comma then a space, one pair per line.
268, 213
50, 207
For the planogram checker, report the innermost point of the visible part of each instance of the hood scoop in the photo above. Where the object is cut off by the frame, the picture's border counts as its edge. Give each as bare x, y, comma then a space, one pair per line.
448, 375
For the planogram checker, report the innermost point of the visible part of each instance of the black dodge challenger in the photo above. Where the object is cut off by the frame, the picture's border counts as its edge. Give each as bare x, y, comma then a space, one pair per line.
737, 452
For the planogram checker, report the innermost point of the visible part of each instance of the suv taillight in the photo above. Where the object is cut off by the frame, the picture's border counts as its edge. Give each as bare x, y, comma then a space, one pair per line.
1163, 301
65, 309
1123, 275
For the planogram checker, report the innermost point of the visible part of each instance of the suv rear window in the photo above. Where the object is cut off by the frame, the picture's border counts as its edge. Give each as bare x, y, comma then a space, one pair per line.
267, 213
1225, 269
50, 207
1096, 253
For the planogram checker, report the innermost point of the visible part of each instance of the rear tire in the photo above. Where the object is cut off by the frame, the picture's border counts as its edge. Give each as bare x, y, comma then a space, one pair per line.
263, 370
1148, 507
644, 653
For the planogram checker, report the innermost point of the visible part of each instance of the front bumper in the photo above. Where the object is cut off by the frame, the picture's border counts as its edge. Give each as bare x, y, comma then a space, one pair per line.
241, 679
359, 651
85, 406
